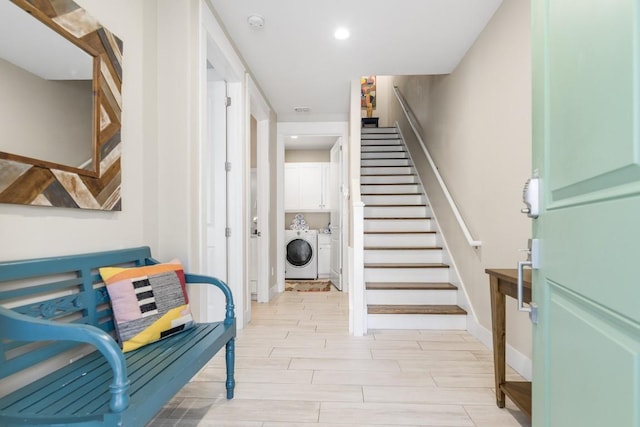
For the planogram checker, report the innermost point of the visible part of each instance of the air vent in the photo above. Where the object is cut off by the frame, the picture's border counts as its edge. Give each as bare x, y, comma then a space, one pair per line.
302, 109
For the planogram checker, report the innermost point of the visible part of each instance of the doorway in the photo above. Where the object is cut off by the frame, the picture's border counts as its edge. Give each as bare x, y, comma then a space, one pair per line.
337, 133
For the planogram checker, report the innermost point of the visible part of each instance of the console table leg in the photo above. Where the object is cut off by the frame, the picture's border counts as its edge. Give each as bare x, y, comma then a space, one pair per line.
498, 318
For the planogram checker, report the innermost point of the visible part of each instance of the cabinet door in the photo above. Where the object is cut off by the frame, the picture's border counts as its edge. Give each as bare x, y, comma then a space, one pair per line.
326, 187
291, 186
324, 255
324, 260
310, 181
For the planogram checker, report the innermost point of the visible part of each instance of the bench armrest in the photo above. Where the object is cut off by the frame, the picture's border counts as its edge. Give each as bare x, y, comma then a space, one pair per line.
230, 315
18, 327
199, 279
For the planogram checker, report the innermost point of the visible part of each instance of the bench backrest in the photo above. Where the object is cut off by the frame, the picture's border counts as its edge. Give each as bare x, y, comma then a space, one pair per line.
66, 289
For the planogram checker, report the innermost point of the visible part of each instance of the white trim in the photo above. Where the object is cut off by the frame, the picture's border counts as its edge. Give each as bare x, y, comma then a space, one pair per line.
355, 262
260, 110
278, 286
443, 186
516, 360
258, 107
357, 296
236, 154
219, 51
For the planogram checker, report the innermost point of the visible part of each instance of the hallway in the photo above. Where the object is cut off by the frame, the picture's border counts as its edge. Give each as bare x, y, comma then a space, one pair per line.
297, 365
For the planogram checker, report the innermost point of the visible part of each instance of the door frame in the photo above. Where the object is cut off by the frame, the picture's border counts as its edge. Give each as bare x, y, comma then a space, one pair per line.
259, 109
216, 50
337, 129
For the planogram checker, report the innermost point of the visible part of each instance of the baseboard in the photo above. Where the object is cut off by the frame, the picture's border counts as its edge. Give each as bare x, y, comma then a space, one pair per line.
516, 360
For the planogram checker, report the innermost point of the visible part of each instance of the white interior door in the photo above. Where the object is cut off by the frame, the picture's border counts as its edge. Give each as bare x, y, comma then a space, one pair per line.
210, 302
335, 183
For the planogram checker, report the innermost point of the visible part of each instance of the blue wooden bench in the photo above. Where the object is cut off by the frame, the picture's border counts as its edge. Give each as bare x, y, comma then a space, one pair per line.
53, 308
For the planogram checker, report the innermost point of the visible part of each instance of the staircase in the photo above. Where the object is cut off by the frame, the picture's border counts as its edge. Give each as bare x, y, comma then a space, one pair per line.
407, 283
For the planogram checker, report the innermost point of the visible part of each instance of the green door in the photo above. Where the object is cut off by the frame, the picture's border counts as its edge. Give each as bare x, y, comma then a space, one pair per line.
586, 132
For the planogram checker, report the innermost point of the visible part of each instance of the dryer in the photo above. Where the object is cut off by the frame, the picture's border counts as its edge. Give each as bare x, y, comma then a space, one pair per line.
301, 254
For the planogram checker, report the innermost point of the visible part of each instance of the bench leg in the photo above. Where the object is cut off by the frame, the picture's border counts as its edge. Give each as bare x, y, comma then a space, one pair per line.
230, 358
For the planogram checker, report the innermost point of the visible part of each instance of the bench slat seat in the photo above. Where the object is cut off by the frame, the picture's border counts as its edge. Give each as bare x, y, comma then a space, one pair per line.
81, 393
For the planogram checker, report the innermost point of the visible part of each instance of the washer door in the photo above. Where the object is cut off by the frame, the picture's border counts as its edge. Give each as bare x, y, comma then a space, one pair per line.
299, 252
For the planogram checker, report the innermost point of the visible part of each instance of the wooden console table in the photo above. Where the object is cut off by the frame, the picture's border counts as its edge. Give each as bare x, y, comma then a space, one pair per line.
505, 282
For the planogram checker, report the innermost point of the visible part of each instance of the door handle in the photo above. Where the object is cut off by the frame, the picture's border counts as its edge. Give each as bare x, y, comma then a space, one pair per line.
532, 308
521, 265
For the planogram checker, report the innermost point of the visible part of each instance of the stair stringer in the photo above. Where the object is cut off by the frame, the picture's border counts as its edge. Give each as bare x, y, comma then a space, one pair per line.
447, 258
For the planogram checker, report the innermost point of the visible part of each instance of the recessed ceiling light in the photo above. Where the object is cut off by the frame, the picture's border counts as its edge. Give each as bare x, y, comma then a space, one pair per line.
341, 34
294, 136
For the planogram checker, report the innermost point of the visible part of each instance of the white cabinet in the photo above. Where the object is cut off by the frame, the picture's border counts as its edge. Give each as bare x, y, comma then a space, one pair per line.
326, 188
324, 255
306, 187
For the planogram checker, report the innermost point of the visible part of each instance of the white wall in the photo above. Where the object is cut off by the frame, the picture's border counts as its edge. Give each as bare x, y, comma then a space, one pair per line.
477, 125
29, 231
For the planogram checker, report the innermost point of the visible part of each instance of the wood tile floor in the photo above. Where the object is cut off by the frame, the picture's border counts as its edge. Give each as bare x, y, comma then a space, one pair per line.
297, 366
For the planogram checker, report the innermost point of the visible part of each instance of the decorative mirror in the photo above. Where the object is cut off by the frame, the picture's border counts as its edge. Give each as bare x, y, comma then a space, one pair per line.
60, 110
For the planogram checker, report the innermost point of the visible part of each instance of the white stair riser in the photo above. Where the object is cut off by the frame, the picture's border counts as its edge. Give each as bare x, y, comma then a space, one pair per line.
388, 189
412, 297
393, 199
393, 170
383, 155
417, 321
404, 275
396, 211
421, 224
381, 147
389, 140
389, 179
378, 130
370, 136
385, 162
399, 240
402, 256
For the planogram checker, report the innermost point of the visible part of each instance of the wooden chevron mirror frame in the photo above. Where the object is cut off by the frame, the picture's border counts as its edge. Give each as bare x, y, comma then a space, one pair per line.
96, 183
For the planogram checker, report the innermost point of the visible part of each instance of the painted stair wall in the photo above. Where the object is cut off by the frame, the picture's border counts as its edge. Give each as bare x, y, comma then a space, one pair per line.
408, 282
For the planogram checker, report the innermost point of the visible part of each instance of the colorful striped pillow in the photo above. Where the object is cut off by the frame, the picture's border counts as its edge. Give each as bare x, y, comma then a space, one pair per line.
149, 303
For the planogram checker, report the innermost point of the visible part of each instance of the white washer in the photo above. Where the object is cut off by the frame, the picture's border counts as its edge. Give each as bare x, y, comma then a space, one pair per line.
301, 254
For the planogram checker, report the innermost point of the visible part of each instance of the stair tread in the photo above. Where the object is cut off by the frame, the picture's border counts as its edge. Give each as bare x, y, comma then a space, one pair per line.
405, 265
416, 309
403, 248
410, 286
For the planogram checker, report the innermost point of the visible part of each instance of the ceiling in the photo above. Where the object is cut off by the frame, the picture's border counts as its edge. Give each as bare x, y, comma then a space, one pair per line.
297, 62
309, 142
